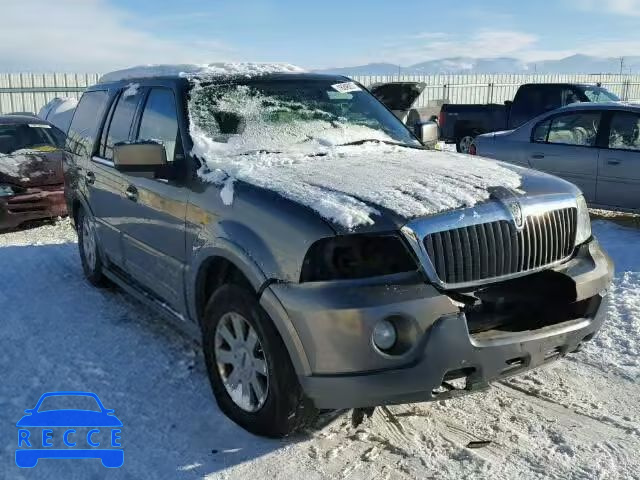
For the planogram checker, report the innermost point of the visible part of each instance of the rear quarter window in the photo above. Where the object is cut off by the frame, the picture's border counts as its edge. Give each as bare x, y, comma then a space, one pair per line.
86, 122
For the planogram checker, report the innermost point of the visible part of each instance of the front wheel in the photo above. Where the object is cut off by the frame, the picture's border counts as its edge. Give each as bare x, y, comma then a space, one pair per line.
249, 367
88, 246
464, 143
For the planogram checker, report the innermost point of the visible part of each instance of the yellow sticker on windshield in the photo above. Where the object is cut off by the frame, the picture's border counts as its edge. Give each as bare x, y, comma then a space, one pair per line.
45, 148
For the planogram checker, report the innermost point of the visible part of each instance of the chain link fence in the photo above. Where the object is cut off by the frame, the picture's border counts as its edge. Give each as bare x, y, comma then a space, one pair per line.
28, 92
500, 87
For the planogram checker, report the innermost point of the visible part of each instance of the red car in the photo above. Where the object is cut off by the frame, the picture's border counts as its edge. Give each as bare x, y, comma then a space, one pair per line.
31, 182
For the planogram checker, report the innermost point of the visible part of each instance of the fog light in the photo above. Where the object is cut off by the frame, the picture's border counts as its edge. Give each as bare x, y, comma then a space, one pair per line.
384, 335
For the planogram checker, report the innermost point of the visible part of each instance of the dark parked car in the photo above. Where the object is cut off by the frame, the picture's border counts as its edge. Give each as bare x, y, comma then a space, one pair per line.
460, 124
596, 147
31, 182
324, 257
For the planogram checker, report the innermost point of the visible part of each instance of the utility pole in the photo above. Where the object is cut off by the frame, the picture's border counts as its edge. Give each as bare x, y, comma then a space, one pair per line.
621, 65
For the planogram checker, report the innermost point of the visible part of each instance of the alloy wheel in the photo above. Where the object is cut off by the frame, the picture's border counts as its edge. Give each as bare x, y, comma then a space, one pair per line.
465, 143
89, 243
241, 362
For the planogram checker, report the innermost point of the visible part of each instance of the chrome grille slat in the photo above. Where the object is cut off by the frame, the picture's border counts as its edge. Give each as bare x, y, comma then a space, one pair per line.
558, 242
448, 251
475, 253
497, 249
467, 255
550, 237
515, 253
484, 251
491, 254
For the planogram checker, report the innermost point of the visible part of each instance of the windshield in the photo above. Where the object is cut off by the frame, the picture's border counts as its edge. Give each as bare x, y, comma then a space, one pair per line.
285, 115
28, 136
599, 95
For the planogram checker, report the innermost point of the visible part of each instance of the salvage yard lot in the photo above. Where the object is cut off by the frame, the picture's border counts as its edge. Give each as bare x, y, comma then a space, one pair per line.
576, 418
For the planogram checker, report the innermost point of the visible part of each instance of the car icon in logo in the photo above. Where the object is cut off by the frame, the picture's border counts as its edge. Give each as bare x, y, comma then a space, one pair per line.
69, 433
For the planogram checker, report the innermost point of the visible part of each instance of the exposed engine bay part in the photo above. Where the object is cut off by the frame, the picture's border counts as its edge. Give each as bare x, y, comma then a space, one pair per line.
527, 303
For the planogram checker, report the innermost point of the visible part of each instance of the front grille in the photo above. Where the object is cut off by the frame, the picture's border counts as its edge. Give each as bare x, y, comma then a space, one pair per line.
497, 249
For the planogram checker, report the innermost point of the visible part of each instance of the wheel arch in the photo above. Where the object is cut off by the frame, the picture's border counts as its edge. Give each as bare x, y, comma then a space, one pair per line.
225, 263
78, 202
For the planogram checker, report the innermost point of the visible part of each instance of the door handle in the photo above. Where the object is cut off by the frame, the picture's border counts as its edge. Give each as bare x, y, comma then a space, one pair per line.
613, 161
90, 177
132, 193
537, 156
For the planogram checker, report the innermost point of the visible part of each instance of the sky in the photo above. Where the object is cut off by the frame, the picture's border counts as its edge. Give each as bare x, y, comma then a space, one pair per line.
102, 35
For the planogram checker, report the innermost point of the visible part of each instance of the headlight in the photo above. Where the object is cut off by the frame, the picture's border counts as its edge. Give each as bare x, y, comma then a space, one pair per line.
583, 228
356, 256
6, 190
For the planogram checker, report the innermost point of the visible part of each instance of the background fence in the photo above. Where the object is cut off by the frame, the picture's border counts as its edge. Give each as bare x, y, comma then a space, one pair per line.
28, 92
497, 88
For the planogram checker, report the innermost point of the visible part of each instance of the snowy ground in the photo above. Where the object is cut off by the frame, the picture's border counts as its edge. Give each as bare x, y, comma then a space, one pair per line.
577, 418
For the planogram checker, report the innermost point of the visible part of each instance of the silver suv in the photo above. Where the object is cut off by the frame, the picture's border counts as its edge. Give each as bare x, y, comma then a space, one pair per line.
324, 257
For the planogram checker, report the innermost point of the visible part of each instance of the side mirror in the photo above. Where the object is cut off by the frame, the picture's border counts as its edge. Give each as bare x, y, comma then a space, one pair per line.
139, 157
427, 133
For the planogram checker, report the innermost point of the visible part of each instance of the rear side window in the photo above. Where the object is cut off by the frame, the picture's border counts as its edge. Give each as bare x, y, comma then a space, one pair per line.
159, 121
575, 129
550, 98
569, 96
85, 123
625, 131
121, 121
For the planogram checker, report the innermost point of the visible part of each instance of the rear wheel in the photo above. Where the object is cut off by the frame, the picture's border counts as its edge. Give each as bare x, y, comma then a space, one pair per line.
464, 143
249, 367
88, 246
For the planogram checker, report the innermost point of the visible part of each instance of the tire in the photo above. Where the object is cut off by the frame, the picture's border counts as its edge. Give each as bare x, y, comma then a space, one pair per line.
89, 250
464, 142
284, 408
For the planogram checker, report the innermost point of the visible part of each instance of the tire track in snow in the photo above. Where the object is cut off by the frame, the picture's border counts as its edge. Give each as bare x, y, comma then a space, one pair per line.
605, 420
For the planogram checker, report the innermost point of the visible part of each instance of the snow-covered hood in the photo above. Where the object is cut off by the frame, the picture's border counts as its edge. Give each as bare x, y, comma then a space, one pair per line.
367, 186
30, 168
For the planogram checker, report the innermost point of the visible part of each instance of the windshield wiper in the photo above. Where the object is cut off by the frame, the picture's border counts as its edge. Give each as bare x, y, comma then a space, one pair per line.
253, 152
386, 142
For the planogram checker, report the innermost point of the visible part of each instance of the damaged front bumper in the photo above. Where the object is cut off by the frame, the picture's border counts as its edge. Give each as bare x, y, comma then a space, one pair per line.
339, 367
34, 204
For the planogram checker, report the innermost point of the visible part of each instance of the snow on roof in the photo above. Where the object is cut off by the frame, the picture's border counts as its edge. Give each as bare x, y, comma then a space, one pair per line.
58, 105
211, 70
